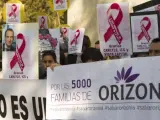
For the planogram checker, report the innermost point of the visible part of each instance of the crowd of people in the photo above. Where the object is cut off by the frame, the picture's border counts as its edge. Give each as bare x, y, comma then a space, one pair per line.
89, 54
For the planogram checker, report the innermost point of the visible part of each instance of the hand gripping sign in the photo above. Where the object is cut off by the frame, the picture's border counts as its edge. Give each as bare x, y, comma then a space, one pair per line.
42, 22
76, 36
17, 58
114, 23
13, 10
144, 32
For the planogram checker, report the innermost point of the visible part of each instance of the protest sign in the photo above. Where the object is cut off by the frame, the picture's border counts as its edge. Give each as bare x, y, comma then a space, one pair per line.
42, 20
75, 40
113, 90
114, 29
147, 6
49, 40
13, 13
144, 27
22, 100
60, 4
20, 51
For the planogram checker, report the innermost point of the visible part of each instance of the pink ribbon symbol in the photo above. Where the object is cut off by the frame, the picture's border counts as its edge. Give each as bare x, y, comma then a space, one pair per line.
59, 1
17, 57
113, 29
145, 29
64, 30
13, 10
77, 34
42, 22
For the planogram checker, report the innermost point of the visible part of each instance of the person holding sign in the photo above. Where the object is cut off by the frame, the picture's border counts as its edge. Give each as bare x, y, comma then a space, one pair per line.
9, 37
49, 59
154, 49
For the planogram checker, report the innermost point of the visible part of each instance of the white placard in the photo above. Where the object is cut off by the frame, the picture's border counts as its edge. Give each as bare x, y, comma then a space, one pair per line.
42, 20
22, 100
13, 13
113, 90
60, 4
114, 29
20, 51
75, 40
49, 40
144, 30
153, 8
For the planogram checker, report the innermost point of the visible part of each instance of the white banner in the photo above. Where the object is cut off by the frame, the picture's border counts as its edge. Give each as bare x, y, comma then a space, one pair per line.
20, 51
13, 13
114, 29
60, 4
75, 40
113, 90
22, 100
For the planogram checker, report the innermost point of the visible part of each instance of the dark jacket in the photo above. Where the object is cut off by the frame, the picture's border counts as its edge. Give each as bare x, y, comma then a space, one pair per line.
11, 49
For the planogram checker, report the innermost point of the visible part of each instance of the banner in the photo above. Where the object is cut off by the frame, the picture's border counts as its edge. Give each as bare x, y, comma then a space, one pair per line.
145, 28
49, 40
20, 51
114, 29
42, 20
75, 41
22, 100
13, 13
113, 90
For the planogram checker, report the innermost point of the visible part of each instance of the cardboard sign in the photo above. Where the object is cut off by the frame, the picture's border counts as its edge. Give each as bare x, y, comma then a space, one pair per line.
42, 20
113, 90
13, 13
60, 4
145, 28
20, 51
49, 40
75, 41
114, 29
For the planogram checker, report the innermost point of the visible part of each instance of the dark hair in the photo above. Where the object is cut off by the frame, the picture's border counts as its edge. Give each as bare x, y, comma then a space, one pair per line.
156, 40
9, 29
91, 54
97, 42
86, 42
49, 53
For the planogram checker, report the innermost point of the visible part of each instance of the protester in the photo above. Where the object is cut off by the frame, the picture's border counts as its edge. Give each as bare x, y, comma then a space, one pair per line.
73, 58
49, 60
97, 46
154, 49
91, 55
9, 37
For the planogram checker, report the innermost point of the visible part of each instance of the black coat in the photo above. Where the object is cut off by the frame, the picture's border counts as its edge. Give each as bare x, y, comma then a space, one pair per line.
11, 49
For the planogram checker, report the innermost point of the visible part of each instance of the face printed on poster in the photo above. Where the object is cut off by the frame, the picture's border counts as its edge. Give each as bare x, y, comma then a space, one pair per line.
114, 29
75, 41
144, 30
42, 20
60, 4
49, 40
13, 13
20, 59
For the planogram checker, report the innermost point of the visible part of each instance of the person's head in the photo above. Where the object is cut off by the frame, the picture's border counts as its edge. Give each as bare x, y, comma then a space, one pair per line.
9, 37
91, 55
86, 43
97, 46
48, 58
154, 49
